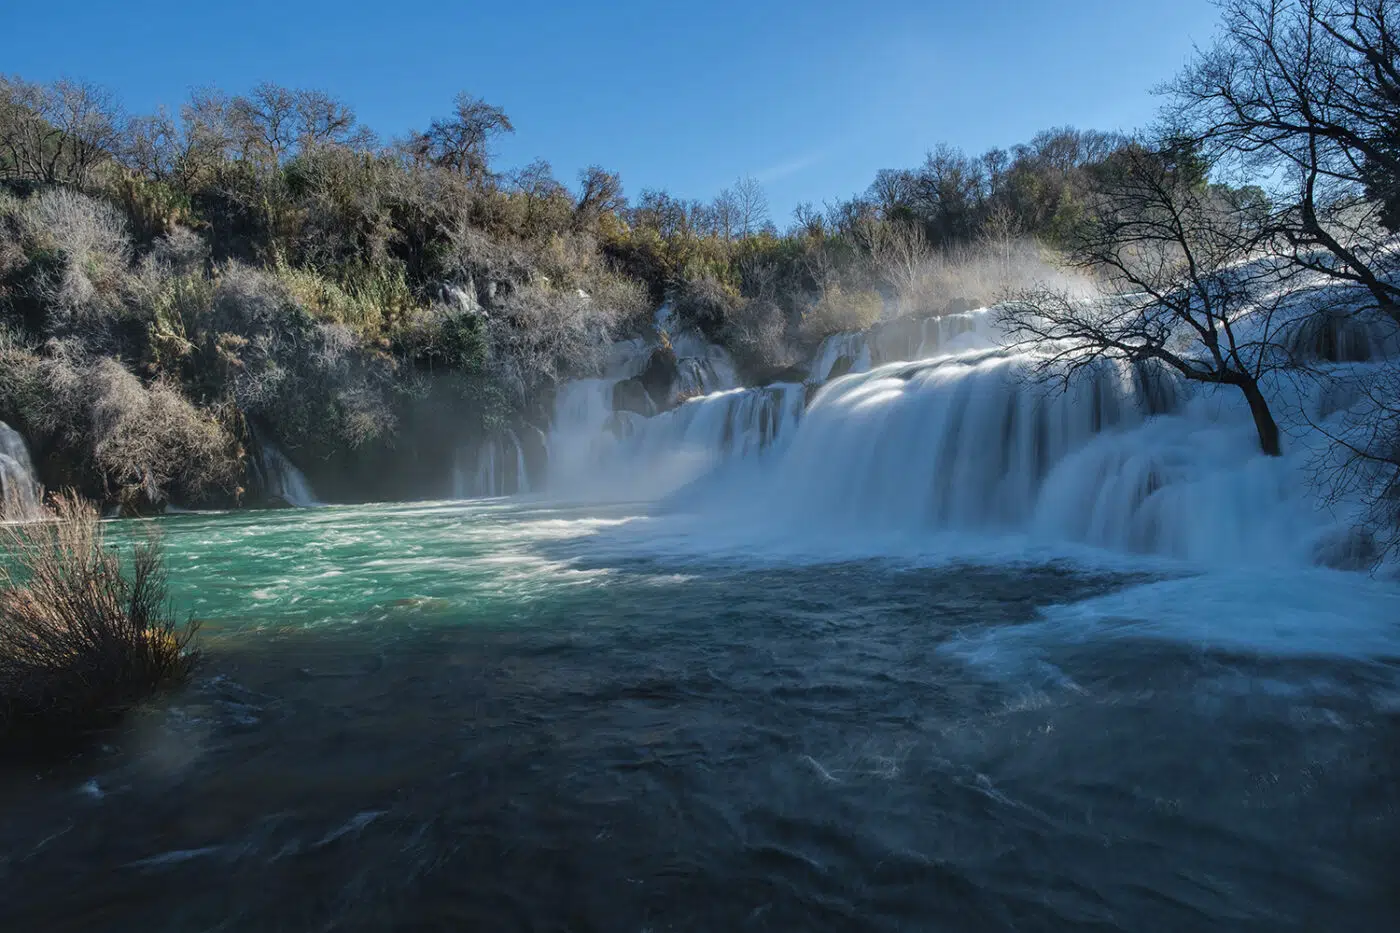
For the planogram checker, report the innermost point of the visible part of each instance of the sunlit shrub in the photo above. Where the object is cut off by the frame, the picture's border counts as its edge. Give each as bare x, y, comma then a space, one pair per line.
84, 633
841, 310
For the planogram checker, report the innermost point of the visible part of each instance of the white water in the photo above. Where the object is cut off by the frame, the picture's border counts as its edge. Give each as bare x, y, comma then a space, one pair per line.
903, 339
20, 492
284, 481
499, 469
968, 441
602, 455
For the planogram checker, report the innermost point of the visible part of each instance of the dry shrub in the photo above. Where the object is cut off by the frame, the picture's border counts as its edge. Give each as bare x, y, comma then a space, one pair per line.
966, 277
81, 639
152, 438
539, 336
705, 303
91, 242
842, 310
756, 333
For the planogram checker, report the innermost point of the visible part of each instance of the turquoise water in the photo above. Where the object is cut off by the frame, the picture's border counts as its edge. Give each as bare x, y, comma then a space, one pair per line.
506, 715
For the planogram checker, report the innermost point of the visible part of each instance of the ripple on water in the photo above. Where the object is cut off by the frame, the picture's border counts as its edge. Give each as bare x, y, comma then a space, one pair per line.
469, 722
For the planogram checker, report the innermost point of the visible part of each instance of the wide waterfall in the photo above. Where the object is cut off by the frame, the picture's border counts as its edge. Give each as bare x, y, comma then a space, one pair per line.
928, 425
20, 492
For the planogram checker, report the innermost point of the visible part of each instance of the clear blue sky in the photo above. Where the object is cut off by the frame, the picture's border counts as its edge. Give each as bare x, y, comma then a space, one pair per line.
809, 97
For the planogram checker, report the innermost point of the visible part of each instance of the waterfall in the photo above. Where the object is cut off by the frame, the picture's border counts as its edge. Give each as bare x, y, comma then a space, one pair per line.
927, 426
20, 492
497, 469
284, 481
702, 367
902, 339
596, 453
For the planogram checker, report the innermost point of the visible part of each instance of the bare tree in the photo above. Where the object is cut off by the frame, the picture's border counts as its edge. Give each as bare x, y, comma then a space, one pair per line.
901, 254
272, 123
807, 221
461, 142
725, 214
1306, 92
57, 133
1177, 258
264, 122
750, 206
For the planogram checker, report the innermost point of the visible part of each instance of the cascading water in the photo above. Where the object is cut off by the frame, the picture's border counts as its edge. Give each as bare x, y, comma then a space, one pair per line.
20, 492
597, 453
961, 441
498, 469
284, 481
961, 437
902, 339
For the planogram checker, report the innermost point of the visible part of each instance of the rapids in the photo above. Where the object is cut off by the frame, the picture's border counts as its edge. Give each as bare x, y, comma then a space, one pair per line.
513, 716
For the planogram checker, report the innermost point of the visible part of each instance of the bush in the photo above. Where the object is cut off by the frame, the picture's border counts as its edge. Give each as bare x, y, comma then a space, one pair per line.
706, 303
756, 334
124, 441
81, 640
90, 243
840, 310
310, 382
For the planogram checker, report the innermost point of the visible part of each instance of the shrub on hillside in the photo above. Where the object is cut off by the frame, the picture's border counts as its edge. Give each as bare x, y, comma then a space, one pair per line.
89, 247
756, 334
83, 633
841, 310
312, 383
705, 303
539, 335
120, 439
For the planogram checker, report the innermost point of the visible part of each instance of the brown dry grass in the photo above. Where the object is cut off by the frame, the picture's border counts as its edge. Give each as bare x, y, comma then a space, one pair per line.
82, 639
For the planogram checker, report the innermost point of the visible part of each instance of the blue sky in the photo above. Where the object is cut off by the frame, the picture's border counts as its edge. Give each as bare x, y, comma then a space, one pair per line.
809, 97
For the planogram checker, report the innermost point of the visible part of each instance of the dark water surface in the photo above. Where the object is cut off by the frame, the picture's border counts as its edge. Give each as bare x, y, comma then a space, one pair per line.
437, 719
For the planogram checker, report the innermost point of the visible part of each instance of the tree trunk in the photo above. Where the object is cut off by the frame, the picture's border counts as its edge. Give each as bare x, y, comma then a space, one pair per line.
1263, 418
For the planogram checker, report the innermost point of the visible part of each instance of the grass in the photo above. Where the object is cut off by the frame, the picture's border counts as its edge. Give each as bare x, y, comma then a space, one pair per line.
81, 638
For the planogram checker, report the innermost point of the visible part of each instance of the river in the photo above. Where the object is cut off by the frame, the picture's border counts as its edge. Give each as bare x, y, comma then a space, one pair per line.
510, 715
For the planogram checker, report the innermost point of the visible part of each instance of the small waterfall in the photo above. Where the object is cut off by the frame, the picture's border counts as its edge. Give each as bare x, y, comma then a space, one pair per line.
840, 354
284, 481
599, 454
702, 367
497, 469
20, 492
903, 339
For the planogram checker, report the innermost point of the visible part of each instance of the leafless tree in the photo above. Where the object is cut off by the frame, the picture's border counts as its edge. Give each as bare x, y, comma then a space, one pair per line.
901, 254
807, 221
724, 212
57, 133
1180, 262
271, 123
461, 142
1306, 93
750, 207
